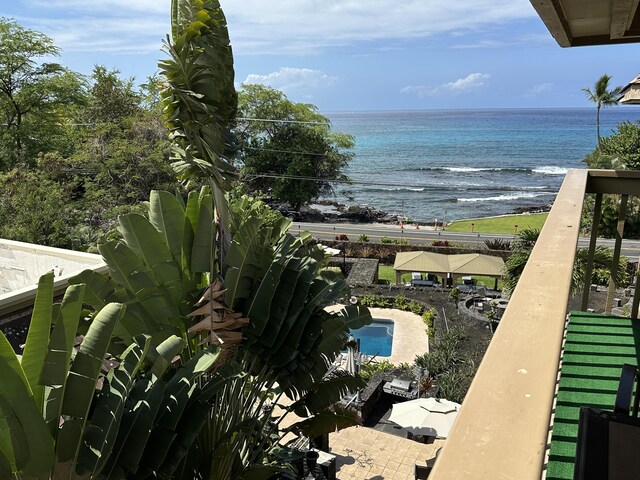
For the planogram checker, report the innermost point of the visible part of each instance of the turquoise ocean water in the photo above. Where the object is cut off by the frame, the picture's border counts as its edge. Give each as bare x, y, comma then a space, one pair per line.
466, 163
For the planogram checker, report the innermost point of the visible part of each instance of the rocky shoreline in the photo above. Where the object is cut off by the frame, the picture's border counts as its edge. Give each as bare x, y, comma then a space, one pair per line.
334, 212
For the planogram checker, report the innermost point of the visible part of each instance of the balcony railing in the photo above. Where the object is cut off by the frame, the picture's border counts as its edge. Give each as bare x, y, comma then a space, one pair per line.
502, 430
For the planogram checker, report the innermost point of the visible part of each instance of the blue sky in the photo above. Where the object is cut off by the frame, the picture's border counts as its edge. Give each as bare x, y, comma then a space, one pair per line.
352, 54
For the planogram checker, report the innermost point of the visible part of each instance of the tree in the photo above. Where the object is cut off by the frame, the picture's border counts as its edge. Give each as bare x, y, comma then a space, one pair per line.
618, 151
34, 97
602, 97
288, 148
521, 251
123, 153
35, 209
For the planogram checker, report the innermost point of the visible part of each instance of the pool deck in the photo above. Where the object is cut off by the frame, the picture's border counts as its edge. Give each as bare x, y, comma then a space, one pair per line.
409, 334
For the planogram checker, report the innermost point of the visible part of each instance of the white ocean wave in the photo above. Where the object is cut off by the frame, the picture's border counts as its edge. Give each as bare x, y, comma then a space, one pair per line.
550, 170
501, 198
470, 169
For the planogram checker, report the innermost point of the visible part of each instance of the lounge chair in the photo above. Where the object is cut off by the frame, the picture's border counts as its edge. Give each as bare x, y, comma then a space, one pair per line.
608, 441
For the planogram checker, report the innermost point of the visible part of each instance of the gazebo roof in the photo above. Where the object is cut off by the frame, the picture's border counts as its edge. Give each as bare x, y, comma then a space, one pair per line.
476, 264
631, 92
422, 262
465, 264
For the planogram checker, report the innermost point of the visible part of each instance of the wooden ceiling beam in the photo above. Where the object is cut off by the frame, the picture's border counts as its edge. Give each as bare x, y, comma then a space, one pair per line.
551, 13
621, 13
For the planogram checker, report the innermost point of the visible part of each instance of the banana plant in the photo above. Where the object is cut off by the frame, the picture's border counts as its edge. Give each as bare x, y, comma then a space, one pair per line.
158, 267
63, 417
199, 99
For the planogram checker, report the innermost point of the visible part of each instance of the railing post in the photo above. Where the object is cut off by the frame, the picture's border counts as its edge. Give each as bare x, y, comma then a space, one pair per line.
636, 295
622, 212
597, 212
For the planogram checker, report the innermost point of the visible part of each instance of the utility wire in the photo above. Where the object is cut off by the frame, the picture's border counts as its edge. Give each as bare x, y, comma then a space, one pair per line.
249, 119
284, 151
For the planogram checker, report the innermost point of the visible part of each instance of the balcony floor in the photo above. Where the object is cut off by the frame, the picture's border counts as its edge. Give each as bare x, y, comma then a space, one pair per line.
596, 346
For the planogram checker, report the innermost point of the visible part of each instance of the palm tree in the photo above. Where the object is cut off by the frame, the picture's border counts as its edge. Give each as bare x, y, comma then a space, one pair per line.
602, 97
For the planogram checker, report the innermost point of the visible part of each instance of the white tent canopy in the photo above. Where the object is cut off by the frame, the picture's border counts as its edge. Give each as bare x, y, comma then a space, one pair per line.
442, 265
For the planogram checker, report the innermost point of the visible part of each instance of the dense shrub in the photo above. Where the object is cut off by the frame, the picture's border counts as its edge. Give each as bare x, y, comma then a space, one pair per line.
451, 370
370, 369
497, 244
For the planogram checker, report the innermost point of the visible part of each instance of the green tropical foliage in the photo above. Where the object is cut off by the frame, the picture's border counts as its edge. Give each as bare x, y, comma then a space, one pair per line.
285, 143
521, 249
199, 97
158, 269
62, 416
602, 97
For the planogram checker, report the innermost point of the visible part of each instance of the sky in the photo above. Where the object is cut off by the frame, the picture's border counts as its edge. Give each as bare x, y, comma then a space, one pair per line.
347, 55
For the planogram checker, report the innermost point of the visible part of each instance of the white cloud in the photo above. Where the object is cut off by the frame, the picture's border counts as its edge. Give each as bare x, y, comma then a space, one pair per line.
285, 26
289, 79
538, 89
308, 26
471, 82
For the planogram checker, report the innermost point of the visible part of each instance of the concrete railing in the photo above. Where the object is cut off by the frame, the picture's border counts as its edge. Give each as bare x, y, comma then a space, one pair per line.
503, 427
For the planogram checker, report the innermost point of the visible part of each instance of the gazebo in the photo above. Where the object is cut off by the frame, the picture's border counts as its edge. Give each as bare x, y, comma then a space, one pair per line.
444, 265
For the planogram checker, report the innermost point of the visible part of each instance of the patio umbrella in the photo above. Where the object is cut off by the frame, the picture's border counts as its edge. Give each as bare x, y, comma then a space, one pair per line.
426, 416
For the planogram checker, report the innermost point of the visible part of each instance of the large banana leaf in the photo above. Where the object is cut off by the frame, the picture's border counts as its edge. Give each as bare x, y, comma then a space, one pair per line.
244, 264
138, 420
99, 436
81, 382
128, 270
164, 437
35, 348
326, 393
19, 412
150, 246
166, 214
56, 363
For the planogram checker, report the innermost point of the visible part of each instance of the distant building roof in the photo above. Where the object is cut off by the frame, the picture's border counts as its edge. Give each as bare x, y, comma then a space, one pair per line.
22, 264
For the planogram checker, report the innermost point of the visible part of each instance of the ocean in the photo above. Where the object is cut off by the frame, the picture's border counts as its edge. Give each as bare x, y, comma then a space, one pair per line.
453, 164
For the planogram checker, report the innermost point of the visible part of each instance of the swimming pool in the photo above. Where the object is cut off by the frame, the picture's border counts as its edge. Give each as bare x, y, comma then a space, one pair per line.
376, 338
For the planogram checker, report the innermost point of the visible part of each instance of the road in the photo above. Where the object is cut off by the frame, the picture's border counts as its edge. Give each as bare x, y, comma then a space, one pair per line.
328, 231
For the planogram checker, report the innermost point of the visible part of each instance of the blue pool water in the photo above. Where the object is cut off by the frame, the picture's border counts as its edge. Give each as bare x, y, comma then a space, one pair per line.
376, 338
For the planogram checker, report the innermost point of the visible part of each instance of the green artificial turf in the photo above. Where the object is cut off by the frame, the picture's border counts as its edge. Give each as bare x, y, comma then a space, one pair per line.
596, 348
505, 224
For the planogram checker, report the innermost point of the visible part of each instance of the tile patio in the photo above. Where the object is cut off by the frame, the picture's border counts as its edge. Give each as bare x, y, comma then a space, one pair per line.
366, 454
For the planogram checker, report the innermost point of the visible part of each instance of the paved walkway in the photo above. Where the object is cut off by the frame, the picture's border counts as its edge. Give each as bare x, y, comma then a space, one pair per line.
366, 454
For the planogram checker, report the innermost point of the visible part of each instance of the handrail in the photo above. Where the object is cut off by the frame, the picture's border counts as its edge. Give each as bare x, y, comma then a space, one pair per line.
503, 425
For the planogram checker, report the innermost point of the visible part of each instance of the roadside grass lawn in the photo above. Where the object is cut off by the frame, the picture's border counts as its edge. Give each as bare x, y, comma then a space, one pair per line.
504, 224
386, 272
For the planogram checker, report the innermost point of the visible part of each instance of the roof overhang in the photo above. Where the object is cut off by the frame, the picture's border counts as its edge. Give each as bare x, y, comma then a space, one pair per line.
575, 23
